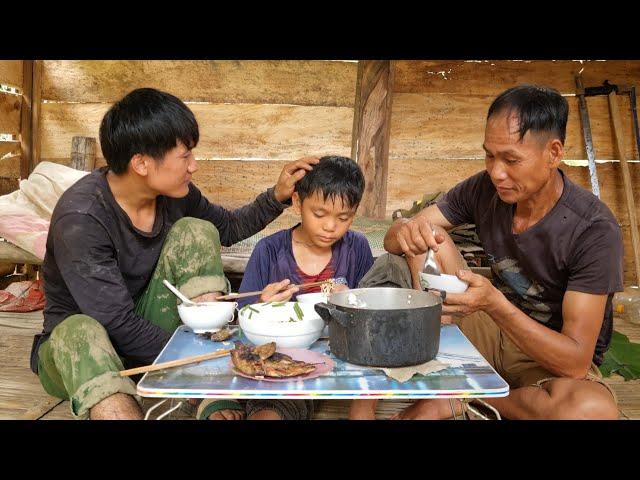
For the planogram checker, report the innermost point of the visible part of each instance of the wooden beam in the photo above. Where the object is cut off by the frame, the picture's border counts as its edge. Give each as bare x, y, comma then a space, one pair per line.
35, 112
30, 116
25, 118
371, 129
83, 153
628, 185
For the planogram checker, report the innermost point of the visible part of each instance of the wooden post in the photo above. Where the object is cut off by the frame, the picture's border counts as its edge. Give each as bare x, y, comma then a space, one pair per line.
30, 116
83, 153
25, 120
626, 178
35, 115
371, 129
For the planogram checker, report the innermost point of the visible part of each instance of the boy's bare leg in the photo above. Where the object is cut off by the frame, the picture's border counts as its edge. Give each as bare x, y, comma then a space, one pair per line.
118, 406
363, 409
429, 409
227, 415
264, 415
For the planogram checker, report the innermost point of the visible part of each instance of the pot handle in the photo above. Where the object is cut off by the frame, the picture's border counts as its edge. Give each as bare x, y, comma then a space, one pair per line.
329, 313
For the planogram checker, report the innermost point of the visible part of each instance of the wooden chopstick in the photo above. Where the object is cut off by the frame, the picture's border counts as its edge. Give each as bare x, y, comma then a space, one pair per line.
175, 363
233, 296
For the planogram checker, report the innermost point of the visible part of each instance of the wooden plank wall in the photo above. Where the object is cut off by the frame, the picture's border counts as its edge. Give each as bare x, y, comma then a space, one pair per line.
438, 118
10, 105
254, 116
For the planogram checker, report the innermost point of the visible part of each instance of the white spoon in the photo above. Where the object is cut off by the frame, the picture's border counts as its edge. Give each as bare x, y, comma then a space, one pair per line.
177, 293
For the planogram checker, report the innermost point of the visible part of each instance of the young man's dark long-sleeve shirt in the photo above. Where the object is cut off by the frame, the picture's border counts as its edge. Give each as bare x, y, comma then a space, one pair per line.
97, 263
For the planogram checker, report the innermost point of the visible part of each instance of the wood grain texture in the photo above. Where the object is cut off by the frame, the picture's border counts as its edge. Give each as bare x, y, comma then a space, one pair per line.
11, 73
297, 82
10, 166
627, 185
443, 126
272, 132
370, 144
10, 113
491, 77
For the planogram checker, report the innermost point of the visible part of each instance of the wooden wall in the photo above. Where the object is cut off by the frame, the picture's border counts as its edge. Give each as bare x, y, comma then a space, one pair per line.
10, 108
253, 116
438, 118
256, 115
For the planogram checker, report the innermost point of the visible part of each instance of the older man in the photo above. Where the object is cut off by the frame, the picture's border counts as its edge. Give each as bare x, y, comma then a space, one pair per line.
545, 320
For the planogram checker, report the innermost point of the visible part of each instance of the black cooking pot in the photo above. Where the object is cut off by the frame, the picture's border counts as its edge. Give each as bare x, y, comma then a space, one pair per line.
383, 327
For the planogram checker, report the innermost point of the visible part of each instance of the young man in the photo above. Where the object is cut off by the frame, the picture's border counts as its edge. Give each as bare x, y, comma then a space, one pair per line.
116, 234
545, 321
320, 247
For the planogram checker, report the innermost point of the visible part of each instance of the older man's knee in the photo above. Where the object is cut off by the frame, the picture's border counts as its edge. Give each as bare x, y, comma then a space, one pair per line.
593, 403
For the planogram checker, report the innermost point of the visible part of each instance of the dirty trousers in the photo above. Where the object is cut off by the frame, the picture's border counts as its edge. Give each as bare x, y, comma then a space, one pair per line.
78, 362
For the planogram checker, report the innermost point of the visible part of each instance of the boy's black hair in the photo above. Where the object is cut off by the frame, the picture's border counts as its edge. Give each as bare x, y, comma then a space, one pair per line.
148, 122
335, 177
539, 109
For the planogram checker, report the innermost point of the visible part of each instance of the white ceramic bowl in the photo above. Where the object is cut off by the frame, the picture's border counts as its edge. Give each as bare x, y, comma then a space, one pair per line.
313, 298
207, 316
448, 283
278, 322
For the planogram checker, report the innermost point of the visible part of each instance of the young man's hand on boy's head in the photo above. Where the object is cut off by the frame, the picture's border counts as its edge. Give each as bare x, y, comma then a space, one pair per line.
291, 173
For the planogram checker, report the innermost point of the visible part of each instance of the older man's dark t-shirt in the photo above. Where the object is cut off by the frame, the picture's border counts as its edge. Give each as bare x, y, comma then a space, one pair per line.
576, 246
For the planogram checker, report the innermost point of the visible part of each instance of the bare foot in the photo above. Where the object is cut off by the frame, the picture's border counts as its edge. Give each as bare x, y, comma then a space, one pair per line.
265, 415
363, 410
227, 415
429, 409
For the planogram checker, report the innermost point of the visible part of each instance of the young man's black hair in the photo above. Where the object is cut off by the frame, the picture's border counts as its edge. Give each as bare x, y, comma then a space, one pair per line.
539, 109
146, 122
335, 177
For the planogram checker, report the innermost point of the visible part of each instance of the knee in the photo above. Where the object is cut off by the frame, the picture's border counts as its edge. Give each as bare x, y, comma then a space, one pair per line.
76, 328
191, 223
585, 406
194, 228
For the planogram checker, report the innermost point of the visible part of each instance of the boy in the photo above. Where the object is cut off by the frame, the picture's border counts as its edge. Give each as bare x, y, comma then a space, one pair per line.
321, 246
318, 248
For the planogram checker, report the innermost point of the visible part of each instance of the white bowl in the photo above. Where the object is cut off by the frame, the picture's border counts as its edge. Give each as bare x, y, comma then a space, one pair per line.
313, 298
448, 283
207, 316
264, 323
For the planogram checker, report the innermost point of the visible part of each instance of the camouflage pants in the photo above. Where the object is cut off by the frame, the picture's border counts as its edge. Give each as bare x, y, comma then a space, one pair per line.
78, 361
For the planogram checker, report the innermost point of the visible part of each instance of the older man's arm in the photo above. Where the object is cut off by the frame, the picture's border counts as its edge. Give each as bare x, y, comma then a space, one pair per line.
414, 236
567, 353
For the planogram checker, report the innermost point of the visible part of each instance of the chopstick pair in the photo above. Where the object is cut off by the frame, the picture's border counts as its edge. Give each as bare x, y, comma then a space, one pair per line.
233, 296
175, 363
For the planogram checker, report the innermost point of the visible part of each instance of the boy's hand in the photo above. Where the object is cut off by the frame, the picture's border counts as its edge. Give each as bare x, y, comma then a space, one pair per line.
278, 292
291, 173
339, 288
